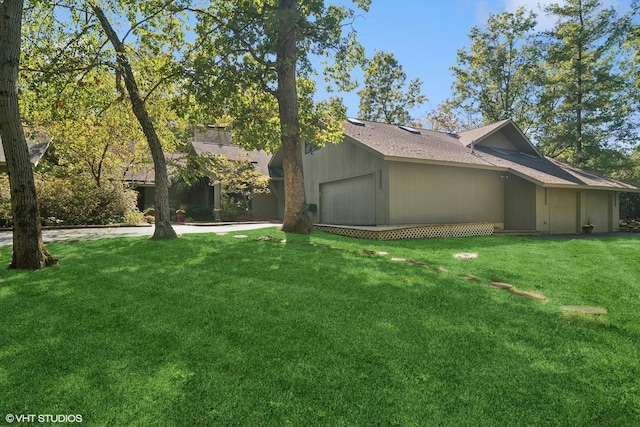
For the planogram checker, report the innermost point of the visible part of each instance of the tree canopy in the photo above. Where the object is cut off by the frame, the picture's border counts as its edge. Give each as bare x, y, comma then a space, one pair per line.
261, 51
571, 88
498, 76
386, 96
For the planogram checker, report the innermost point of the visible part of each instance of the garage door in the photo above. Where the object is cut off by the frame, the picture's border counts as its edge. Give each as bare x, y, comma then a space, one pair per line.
348, 201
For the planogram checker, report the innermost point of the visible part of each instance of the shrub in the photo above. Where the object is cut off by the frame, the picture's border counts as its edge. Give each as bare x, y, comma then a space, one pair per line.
5, 202
231, 210
199, 212
79, 200
133, 218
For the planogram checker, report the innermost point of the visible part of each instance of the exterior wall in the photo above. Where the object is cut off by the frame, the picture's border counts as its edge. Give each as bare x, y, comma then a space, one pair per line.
340, 163
601, 209
498, 140
349, 201
615, 211
146, 197
542, 210
431, 194
265, 207
277, 190
563, 211
520, 204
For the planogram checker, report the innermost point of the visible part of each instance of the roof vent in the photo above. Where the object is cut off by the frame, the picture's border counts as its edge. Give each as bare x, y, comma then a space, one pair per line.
355, 122
410, 130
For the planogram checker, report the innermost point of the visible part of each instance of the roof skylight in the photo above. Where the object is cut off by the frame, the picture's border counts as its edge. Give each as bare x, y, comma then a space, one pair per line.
355, 122
410, 129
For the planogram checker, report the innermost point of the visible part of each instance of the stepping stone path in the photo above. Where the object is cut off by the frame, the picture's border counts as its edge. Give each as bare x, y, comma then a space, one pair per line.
466, 255
240, 236
514, 291
501, 285
417, 263
596, 311
534, 295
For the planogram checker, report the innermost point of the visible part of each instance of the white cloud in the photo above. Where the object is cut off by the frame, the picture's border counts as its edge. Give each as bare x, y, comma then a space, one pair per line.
546, 22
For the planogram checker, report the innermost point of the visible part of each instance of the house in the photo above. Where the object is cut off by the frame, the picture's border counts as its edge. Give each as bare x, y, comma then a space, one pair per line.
205, 195
216, 141
385, 175
37, 145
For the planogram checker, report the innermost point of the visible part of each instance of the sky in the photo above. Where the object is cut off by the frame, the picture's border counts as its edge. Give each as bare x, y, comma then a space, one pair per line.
424, 36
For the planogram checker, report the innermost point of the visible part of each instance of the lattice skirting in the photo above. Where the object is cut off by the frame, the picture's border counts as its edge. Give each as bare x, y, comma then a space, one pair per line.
411, 232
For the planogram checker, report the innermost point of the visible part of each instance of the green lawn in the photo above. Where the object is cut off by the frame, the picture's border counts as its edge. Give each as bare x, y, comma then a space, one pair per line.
216, 330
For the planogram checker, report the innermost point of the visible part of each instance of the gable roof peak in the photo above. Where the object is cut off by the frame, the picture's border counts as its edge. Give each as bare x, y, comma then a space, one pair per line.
481, 136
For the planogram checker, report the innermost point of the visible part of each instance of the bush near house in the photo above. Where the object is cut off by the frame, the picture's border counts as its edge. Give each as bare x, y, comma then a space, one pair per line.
81, 201
5, 202
74, 201
199, 212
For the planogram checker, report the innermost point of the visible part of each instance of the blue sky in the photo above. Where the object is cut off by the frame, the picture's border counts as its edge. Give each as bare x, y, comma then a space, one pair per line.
424, 36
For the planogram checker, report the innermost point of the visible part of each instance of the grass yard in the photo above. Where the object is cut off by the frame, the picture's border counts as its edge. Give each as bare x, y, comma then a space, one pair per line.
217, 330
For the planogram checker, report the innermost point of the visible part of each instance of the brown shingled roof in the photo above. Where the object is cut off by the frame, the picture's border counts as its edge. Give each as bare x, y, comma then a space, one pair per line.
394, 143
37, 145
234, 152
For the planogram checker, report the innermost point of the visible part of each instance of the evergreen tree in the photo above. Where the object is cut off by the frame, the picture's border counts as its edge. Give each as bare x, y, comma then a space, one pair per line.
585, 109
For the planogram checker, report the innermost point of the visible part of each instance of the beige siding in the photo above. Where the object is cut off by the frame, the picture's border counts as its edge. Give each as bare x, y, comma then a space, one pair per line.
348, 201
615, 211
431, 194
563, 210
600, 209
347, 160
498, 140
542, 210
520, 204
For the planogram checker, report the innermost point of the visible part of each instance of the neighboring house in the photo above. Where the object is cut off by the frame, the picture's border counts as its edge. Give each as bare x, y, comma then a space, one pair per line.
143, 180
383, 174
216, 141
37, 147
208, 141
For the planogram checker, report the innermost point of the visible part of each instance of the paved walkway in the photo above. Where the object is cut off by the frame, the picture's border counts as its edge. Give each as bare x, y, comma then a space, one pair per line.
88, 233
616, 234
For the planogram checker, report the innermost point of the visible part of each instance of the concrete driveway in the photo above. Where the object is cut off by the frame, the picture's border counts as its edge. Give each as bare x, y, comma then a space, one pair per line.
89, 233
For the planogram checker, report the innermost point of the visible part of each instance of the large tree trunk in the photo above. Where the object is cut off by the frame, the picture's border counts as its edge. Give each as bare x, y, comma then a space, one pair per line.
29, 252
163, 228
296, 218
